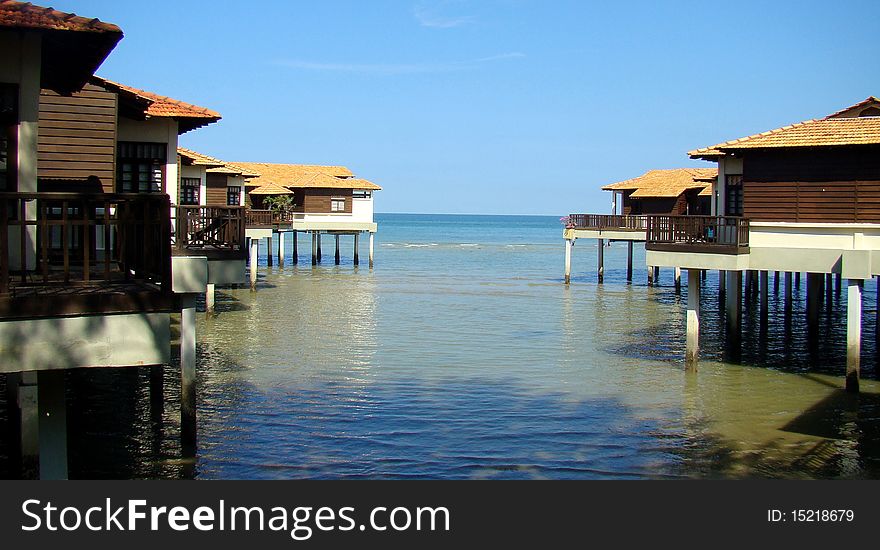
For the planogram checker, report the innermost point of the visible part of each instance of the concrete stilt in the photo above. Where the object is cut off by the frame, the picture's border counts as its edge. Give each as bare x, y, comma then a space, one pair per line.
356, 237
568, 245
814, 293
788, 293
733, 309
314, 248
838, 283
269, 260
280, 249
320, 253
797, 280
336, 256
371, 249
629, 260
678, 279
601, 264
853, 334
209, 298
52, 424
722, 288
188, 377
650, 275
829, 292
157, 394
656, 274
775, 282
24, 418
295, 253
255, 247
693, 320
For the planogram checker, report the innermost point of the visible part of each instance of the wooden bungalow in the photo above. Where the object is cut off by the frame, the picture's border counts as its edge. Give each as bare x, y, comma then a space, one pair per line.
801, 198
679, 191
324, 200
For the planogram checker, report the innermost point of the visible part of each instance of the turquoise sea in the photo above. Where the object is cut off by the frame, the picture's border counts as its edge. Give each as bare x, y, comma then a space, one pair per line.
463, 355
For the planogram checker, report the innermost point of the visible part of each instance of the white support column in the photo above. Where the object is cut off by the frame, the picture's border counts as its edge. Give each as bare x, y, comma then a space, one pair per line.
722, 285
320, 253
764, 284
336, 256
678, 278
733, 305
788, 297
650, 275
601, 264
371, 249
255, 247
314, 248
295, 252
693, 320
188, 376
356, 259
568, 244
209, 298
853, 333
52, 425
280, 249
269, 252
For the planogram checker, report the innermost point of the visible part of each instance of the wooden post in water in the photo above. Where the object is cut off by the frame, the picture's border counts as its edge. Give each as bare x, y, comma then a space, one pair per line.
601, 264
188, 376
853, 334
52, 424
693, 320
209, 298
280, 249
320, 254
336, 256
765, 295
356, 237
269, 251
568, 245
371, 249
629, 261
295, 253
788, 296
255, 247
314, 248
678, 279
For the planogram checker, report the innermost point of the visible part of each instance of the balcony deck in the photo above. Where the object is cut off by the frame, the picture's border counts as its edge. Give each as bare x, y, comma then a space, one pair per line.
217, 232
606, 226
84, 254
698, 234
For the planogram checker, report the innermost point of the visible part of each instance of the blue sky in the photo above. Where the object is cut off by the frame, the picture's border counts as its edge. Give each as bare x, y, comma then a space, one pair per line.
494, 106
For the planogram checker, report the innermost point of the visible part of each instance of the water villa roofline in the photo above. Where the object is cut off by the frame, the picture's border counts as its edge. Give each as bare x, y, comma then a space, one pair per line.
666, 183
213, 165
73, 47
306, 176
855, 125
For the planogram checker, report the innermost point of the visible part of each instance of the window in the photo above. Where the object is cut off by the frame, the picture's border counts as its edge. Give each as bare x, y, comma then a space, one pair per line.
233, 196
734, 195
361, 194
141, 167
337, 204
189, 190
8, 136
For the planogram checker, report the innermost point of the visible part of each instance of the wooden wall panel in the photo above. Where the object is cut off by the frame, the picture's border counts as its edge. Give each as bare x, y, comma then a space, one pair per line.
215, 190
77, 137
317, 201
812, 201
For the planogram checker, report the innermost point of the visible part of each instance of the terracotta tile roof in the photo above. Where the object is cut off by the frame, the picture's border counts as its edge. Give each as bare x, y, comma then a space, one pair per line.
306, 176
214, 165
155, 105
666, 183
841, 128
271, 189
27, 15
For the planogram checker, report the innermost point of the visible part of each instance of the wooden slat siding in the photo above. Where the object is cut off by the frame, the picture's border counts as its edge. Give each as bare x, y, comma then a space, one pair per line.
860, 163
215, 192
77, 136
317, 201
812, 201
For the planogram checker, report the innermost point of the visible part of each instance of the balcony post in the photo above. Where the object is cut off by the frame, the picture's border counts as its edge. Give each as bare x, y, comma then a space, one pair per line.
295, 253
629, 260
693, 320
853, 333
568, 245
601, 264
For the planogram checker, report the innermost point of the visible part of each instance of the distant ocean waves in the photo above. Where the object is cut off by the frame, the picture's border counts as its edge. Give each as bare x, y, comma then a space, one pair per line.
519, 247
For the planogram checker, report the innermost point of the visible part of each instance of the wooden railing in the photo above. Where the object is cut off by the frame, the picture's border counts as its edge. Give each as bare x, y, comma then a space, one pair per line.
267, 218
70, 238
608, 221
209, 227
694, 232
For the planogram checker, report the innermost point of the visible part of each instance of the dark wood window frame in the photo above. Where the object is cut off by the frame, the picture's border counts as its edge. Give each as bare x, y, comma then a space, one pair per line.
141, 167
733, 195
189, 191
233, 195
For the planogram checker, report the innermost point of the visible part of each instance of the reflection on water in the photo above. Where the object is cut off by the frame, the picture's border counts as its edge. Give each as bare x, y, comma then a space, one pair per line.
462, 355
